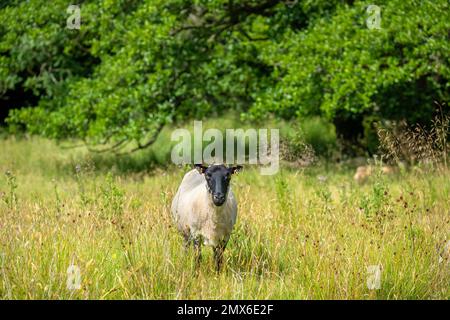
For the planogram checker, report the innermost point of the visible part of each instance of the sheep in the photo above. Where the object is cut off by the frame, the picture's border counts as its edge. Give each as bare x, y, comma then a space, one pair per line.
364, 172
204, 209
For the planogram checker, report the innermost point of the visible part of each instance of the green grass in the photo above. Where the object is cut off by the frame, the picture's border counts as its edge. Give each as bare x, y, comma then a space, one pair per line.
297, 236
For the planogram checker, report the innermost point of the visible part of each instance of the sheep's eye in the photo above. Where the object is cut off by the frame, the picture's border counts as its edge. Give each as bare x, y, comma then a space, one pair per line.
208, 175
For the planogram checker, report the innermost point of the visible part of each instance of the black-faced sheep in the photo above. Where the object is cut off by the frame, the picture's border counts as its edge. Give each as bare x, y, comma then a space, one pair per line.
205, 209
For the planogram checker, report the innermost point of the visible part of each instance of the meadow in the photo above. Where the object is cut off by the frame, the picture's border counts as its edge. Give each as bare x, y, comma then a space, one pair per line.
304, 233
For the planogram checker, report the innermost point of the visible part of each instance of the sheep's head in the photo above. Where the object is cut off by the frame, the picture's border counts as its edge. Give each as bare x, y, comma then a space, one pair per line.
217, 180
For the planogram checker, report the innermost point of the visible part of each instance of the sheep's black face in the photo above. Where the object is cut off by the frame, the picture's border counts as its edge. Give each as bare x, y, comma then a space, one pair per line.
218, 180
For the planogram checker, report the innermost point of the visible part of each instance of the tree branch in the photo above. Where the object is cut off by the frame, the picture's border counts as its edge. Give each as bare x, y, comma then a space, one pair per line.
235, 14
148, 143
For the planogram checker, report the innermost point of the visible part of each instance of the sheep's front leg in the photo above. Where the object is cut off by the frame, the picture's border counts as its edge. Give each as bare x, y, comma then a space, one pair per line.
198, 250
218, 254
187, 240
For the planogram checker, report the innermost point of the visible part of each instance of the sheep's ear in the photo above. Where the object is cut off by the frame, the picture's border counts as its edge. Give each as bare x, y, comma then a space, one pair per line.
200, 168
235, 169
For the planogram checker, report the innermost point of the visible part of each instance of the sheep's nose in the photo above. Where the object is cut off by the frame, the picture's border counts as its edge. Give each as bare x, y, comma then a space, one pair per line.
219, 197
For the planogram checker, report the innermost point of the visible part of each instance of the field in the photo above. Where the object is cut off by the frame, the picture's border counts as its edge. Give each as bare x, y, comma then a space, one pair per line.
306, 233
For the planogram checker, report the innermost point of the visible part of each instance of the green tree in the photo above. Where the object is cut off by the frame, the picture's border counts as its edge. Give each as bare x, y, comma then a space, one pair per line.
135, 66
340, 68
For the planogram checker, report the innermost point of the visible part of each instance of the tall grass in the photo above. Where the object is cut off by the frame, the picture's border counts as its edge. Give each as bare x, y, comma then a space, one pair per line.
309, 234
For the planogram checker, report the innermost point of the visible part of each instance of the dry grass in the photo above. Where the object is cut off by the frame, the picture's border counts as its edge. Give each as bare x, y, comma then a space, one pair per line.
297, 237
418, 145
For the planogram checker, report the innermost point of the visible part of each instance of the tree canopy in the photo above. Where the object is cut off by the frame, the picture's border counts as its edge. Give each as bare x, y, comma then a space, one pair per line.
135, 66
